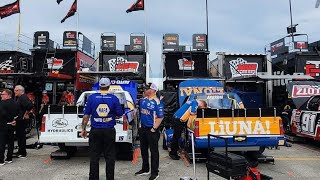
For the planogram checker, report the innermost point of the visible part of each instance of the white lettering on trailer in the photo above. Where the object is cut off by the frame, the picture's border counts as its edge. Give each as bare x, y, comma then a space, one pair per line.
239, 127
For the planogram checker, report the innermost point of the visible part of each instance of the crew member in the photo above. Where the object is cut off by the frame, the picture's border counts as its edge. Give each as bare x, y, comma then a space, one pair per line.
102, 108
8, 112
151, 115
180, 118
24, 108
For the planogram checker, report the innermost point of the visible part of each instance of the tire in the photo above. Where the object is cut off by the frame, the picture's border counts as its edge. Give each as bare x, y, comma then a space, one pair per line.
164, 143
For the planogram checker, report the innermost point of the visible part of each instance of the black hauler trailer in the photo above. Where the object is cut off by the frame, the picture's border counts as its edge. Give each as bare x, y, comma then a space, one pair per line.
130, 63
55, 67
182, 62
304, 59
15, 68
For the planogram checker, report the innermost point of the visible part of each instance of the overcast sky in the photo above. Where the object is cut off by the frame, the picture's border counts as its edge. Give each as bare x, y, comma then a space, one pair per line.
235, 26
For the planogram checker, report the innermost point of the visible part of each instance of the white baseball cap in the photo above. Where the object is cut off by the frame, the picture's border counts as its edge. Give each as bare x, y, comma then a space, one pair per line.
104, 82
152, 86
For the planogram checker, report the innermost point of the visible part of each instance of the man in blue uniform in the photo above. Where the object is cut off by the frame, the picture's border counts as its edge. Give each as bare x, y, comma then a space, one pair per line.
180, 117
151, 115
102, 108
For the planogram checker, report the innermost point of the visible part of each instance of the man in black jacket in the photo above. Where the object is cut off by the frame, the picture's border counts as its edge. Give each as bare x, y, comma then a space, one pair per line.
24, 107
8, 112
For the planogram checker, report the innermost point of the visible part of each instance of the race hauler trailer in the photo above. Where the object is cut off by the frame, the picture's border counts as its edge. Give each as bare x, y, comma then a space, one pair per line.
131, 63
250, 76
55, 67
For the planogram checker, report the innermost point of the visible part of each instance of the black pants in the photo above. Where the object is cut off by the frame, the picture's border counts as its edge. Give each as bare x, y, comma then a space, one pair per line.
102, 140
149, 139
177, 130
6, 138
21, 136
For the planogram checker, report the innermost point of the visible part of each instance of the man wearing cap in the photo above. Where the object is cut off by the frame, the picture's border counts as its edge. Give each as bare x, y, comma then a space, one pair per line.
180, 117
151, 115
102, 108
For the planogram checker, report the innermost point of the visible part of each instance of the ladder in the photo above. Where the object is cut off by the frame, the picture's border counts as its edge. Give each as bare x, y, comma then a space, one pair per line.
50, 54
187, 64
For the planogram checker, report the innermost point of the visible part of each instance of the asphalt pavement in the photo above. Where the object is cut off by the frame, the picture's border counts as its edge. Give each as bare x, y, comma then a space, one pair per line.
301, 161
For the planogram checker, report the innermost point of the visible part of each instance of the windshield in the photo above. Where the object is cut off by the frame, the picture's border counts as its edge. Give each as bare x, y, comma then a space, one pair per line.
225, 101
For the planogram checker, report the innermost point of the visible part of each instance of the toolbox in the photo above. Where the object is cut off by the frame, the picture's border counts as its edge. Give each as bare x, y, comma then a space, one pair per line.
225, 164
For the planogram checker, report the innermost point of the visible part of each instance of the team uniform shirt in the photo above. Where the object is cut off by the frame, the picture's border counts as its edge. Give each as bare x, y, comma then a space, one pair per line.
150, 109
103, 109
184, 112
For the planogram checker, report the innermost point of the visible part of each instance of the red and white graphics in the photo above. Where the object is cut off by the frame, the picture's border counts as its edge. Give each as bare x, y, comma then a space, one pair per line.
122, 64
54, 63
7, 66
240, 67
185, 64
313, 68
299, 91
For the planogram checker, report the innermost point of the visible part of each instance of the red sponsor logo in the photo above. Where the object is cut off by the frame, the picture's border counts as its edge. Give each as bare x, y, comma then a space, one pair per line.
6, 71
248, 68
127, 66
312, 70
200, 38
305, 91
301, 45
70, 35
137, 41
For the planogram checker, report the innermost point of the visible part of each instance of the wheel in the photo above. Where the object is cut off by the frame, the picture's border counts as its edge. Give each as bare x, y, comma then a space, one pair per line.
164, 143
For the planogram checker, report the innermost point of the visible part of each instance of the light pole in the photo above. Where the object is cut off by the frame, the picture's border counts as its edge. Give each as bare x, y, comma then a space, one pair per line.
291, 26
207, 24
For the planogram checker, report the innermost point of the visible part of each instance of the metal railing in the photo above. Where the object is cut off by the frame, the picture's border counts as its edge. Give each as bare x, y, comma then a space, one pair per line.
12, 42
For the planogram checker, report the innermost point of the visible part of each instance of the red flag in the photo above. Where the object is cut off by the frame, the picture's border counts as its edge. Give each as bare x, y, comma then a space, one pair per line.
139, 5
9, 9
71, 12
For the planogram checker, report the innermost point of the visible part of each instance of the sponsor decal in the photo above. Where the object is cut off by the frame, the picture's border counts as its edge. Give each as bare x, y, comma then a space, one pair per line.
187, 91
59, 123
313, 68
103, 110
237, 127
239, 138
240, 67
185, 64
121, 138
120, 82
59, 130
137, 41
71, 35
54, 63
121, 64
7, 66
301, 45
42, 40
305, 91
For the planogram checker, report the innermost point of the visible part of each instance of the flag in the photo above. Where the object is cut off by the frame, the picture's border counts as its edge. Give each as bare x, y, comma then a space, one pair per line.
139, 5
59, 1
71, 12
9, 9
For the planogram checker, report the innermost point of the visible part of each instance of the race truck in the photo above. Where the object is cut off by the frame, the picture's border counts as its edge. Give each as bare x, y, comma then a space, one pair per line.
62, 124
247, 130
303, 119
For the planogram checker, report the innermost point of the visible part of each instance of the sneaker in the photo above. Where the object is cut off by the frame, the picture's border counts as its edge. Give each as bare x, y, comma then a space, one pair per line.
2, 163
142, 173
154, 177
8, 161
22, 156
174, 156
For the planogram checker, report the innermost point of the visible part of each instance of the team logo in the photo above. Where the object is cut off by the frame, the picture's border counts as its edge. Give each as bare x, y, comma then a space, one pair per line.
185, 64
240, 67
103, 110
59, 123
313, 68
121, 64
7, 66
